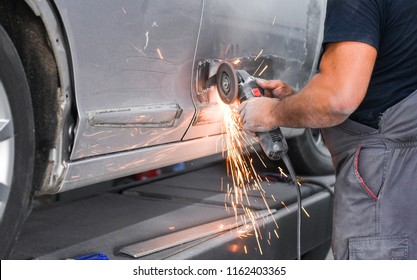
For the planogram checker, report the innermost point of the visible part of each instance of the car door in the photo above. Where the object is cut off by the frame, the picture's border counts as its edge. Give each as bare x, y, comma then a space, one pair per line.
132, 63
271, 39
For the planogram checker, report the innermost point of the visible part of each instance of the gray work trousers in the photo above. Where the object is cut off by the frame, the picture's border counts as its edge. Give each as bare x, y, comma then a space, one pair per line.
375, 207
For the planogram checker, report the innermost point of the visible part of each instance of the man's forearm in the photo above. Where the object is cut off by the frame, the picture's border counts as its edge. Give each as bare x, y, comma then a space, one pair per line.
314, 106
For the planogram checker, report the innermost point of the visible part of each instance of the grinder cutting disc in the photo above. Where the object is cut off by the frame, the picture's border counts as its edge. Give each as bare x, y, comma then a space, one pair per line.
227, 84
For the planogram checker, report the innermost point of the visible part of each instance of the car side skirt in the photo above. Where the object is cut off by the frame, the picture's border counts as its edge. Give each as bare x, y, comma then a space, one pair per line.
102, 168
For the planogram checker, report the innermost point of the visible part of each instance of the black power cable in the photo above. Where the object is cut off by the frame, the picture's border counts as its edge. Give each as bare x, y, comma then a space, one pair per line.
297, 182
293, 177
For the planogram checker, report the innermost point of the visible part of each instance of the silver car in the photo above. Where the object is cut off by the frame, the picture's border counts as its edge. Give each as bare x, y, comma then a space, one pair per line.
93, 90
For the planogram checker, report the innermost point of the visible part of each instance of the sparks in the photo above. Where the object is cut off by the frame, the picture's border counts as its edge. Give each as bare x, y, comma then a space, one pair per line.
283, 204
282, 173
259, 54
237, 147
305, 212
266, 67
259, 67
276, 233
240, 168
160, 54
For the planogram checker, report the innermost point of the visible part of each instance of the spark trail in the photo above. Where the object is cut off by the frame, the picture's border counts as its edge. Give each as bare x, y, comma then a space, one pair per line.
238, 148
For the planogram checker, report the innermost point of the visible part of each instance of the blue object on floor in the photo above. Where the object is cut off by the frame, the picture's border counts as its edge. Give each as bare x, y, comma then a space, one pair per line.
98, 256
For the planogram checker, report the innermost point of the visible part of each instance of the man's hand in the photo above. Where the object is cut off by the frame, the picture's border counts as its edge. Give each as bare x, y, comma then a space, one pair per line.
275, 88
257, 114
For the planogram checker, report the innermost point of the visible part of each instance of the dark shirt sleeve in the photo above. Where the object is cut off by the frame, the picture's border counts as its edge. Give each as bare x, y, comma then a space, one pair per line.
353, 20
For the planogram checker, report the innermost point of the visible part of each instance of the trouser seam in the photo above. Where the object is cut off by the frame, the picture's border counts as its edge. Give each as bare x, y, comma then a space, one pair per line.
401, 145
359, 177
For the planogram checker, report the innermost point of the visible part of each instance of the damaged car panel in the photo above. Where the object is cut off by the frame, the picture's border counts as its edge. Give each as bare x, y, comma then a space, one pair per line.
271, 40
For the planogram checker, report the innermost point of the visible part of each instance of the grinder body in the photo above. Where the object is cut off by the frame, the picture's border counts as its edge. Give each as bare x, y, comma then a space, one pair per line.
272, 142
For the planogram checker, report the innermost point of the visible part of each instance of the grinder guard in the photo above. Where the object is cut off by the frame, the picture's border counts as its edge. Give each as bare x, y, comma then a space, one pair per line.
227, 83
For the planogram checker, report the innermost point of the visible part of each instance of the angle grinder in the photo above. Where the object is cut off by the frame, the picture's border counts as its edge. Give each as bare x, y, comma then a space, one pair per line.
238, 85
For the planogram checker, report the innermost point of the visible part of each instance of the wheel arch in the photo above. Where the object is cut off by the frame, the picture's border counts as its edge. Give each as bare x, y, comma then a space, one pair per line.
36, 32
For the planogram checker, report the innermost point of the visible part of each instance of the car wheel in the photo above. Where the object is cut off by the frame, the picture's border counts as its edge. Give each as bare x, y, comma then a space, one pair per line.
16, 145
309, 154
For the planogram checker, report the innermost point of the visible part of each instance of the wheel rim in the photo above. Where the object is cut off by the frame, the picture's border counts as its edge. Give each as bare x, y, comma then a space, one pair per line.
318, 142
7, 149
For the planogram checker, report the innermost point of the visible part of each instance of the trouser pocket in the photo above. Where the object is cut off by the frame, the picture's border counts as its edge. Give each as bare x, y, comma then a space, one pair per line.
389, 247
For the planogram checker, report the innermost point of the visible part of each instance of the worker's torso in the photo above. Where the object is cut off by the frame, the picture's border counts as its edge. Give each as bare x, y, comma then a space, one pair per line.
390, 26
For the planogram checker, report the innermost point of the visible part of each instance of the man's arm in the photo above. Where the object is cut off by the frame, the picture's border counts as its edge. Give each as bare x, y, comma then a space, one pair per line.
327, 100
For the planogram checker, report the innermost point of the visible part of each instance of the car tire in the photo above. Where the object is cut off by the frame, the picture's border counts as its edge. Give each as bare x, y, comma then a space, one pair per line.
309, 154
17, 145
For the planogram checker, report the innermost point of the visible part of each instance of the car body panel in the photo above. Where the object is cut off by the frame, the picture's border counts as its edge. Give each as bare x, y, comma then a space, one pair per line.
131, 63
